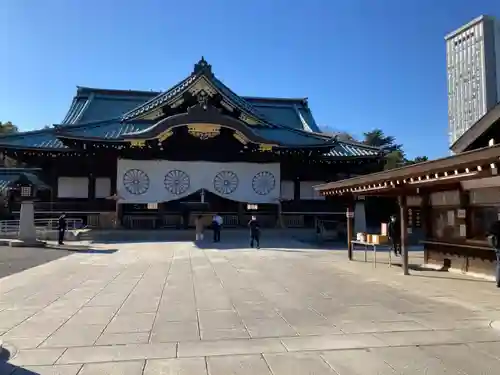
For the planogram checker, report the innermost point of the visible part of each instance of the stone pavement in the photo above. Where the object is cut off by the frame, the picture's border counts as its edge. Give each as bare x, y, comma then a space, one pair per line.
174, 308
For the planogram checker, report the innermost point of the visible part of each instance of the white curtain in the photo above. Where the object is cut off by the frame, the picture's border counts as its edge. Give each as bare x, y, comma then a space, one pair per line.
307, 192
102, 187
72, 187
155, 181
287, 190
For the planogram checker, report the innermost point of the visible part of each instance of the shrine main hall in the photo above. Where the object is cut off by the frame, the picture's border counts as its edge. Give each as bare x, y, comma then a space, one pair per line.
147, 159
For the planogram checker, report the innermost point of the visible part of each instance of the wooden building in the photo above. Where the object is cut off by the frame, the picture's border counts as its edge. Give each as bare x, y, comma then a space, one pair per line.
155, 159
454, 200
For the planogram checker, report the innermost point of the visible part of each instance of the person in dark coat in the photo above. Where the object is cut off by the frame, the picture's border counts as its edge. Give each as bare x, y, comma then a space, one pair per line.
494, 241
216, 226
254, 226
61, 226
394, 232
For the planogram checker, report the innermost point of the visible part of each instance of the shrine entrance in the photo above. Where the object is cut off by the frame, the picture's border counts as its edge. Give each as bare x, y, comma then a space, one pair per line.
182, 213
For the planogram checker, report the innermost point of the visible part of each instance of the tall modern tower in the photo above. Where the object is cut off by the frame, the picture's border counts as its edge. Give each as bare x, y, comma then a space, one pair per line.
473, 67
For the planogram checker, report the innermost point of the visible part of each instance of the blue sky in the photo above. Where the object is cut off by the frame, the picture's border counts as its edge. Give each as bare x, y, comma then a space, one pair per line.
363, 64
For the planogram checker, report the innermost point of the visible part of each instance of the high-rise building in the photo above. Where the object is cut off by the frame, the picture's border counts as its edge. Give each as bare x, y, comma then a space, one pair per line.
473, 67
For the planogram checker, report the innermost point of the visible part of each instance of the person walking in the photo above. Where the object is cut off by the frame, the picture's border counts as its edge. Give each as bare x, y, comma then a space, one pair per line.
254, 226
394, 232
216, 226
199, 228
494, 241
61, 227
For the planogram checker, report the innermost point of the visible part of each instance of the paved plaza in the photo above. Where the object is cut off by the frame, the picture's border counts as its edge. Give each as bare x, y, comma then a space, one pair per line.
175, 308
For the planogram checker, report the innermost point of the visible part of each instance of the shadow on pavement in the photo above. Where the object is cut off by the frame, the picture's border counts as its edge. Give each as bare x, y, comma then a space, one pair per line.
137, 241
8, 369
458, 278
95, 251
271, 244
24, 258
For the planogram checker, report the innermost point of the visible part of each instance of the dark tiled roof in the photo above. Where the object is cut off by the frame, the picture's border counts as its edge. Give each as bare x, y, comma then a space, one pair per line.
110, 129
291, 113
343, 149
99, 113
43, 139
90, 105
114, 129
9, 175
160, 98
47, 138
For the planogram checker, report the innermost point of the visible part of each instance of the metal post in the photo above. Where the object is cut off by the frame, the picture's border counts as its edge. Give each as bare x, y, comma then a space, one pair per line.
349, 216
403, 216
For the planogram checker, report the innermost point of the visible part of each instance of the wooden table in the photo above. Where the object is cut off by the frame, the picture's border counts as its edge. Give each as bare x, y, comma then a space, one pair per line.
374, 246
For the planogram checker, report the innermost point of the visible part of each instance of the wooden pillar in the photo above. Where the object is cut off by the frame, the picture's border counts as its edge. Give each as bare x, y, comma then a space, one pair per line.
91, 189
403, 215
281, 223
426, 222
241, 214
350, 225
118, 215
464, 209
91, 179
54, 180
296, 190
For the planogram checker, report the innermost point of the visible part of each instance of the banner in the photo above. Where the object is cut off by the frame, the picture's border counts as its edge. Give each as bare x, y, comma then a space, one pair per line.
156, 181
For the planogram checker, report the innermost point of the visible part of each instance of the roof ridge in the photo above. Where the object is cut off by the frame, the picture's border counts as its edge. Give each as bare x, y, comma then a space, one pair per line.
117, 91
28, 132
242, 98
157, 97
356, 143
271, 98
61, 127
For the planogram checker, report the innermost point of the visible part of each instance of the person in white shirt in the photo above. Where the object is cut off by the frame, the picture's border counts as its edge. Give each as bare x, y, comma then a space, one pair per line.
216, 226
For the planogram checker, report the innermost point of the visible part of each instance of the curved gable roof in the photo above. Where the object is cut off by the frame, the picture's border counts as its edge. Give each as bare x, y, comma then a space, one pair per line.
92, 104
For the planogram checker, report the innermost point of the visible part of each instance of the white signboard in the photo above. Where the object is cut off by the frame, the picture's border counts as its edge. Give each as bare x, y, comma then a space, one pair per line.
155, 181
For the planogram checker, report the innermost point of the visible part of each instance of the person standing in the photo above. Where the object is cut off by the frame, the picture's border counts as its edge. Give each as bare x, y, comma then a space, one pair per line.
216, 226
199, 228
61, 227
394, 232
254, 226
494, 241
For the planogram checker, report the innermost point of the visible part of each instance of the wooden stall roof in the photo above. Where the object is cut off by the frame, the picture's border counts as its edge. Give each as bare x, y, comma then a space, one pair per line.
476, 130
467, 165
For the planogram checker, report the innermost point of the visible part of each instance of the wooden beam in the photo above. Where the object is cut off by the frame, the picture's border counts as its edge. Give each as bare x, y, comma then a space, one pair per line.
403, 215
350, 223
440, 169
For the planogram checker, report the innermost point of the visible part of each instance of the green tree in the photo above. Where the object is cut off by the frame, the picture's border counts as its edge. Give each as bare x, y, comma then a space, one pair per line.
377, 138
8, 128
418, 159
394, 152
341, 135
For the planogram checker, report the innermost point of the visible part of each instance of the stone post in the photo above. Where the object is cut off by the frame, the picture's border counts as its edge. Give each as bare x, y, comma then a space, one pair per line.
27, 229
